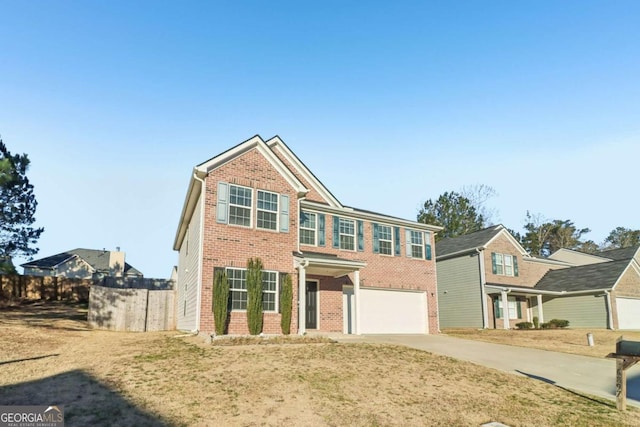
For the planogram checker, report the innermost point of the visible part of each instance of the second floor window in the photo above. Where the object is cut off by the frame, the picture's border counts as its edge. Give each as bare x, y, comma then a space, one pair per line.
235, 205
416, 244
308, 228
504, 264
267, 210
240, 205
347, 234
385, 239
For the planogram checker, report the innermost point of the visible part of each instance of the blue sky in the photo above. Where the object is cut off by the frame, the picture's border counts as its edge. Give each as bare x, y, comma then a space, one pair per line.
389, 105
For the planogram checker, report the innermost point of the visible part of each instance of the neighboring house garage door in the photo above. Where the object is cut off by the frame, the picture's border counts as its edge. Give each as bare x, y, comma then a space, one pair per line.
388, 311
628, 313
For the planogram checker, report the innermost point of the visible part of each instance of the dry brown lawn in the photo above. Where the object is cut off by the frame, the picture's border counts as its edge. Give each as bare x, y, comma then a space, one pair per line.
135, 379
572, 341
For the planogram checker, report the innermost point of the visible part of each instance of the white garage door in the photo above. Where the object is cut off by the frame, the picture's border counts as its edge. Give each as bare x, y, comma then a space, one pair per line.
628, 313
387, 311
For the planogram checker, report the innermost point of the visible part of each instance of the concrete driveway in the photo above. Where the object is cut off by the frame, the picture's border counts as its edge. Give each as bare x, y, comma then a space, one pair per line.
579, 373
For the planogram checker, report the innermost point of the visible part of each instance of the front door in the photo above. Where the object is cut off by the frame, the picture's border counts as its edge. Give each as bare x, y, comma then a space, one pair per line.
312, 305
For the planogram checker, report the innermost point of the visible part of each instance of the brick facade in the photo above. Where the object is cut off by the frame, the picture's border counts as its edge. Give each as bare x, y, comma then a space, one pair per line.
231, 246
529, 271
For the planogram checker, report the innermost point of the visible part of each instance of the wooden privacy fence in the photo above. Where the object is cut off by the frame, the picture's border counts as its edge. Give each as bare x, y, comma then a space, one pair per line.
15, 286
137, 310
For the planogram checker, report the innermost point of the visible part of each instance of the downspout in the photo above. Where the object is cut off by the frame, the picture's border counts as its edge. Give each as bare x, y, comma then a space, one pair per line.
607, 295
483, 291
300, 199
302, 280
201, 254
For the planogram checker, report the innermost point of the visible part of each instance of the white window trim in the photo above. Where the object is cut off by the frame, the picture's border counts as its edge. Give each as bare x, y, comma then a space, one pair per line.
506, 257
277, 211
315, 231
385, 240
501, 262
421, 245
355, 234
512, 302
277, 291
241, 206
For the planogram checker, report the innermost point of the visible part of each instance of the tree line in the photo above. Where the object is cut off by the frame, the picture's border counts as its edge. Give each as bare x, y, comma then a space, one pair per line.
466, 211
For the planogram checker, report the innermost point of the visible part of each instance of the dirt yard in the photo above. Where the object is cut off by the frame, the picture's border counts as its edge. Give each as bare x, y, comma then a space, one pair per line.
572, 341
49, 356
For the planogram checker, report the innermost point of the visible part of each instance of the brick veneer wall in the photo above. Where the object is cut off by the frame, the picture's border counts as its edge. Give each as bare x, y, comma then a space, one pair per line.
529, 272
231, 246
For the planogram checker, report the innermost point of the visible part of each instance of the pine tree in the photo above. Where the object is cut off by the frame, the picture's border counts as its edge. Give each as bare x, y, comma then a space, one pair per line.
17, 207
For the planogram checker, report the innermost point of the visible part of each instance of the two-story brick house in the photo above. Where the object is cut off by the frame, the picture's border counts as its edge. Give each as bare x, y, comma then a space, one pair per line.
354, 271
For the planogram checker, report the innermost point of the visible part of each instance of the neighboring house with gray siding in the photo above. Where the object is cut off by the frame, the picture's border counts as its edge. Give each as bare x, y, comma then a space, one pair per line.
481, 273
486, 280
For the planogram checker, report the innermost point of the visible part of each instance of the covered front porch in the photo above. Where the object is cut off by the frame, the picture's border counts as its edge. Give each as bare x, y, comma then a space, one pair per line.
508, 305
323, 280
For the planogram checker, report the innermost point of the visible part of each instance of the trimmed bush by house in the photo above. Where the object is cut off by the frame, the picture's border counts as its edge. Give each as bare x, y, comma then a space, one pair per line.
524, 325
536, 322
220, 300
555, 324
254, 295
286, 304
559, 323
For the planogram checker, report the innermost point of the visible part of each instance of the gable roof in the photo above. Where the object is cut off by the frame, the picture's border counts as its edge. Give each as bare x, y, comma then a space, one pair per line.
584, 277
248, 145
468, 242
619, 254
276, 143
50, 261
203, 169
98, 259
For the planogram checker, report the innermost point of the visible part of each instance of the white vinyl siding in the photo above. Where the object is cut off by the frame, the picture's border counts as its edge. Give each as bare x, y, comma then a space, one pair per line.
188, 269
460, 293
582, 311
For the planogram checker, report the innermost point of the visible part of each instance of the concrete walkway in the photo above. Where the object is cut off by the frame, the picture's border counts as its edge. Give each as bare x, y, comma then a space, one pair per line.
579, 373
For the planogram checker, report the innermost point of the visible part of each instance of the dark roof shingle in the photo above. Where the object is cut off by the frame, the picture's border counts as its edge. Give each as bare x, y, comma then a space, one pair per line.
467, 242
618, 254
583, 278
